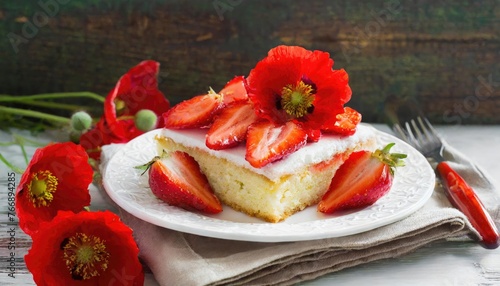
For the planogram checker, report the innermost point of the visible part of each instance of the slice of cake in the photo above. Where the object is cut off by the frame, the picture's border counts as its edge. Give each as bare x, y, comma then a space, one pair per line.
276, 190
270, 143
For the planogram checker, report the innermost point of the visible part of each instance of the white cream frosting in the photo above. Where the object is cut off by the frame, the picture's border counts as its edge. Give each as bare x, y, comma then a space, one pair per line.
311, 153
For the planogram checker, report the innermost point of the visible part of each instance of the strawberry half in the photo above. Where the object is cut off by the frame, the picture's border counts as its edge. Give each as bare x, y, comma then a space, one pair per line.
230, 125
345, 123
176, 179
198, 111
234, 90
268, 142
363, 179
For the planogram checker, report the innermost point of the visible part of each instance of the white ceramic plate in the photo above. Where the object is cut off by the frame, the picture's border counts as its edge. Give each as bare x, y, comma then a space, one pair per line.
412, 187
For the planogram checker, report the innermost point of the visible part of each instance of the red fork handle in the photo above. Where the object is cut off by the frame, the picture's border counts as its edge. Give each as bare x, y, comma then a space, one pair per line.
463, 197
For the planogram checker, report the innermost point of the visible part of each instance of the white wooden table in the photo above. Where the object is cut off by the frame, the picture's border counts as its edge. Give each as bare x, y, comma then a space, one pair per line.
441, 263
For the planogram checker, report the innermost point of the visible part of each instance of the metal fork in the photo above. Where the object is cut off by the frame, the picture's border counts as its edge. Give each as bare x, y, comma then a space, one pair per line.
419, 133
422, 136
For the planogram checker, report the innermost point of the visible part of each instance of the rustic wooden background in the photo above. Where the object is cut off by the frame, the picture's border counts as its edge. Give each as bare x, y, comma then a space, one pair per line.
444, 54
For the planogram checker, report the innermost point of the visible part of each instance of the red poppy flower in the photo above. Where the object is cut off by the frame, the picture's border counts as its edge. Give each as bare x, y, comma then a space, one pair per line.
94, 139
57, 178
88, 248
134, 91
293, 83
103, 134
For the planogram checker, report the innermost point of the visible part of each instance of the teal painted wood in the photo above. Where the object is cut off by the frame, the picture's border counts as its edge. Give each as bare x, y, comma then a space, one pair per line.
444, 54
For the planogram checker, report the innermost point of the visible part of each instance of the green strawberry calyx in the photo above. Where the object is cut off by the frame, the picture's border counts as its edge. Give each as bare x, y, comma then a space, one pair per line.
393, 160
145, 167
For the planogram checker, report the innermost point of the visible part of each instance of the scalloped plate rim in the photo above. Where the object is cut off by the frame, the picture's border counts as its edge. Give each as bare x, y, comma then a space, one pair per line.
210, 226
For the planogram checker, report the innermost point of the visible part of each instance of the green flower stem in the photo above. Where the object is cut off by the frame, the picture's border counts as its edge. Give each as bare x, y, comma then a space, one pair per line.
36, 114
12, 167
29, 141
125, 117
20, 141
18, 138
71, 107
25, 155
87, 94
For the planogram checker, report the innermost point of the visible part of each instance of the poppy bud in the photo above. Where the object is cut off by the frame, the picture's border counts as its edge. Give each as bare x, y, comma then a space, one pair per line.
81, 121
145, 120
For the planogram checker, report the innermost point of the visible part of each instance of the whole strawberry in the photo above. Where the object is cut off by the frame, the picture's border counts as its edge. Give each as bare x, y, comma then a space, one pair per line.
363, 179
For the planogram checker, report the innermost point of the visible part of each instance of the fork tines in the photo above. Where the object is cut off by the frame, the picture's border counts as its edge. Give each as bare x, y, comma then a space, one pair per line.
418, 132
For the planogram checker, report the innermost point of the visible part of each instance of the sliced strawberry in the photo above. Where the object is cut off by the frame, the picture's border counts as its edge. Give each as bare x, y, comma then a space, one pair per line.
268, 142
176, 179
345, 123
198, 111
363, 179
235, 90
230, 125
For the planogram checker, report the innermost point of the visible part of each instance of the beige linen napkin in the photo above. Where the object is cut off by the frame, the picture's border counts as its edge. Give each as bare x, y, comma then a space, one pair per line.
177, 258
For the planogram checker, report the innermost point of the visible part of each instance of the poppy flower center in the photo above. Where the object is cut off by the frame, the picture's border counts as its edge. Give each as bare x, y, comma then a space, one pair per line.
41, 188
85, 256
297, 99
120, 107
